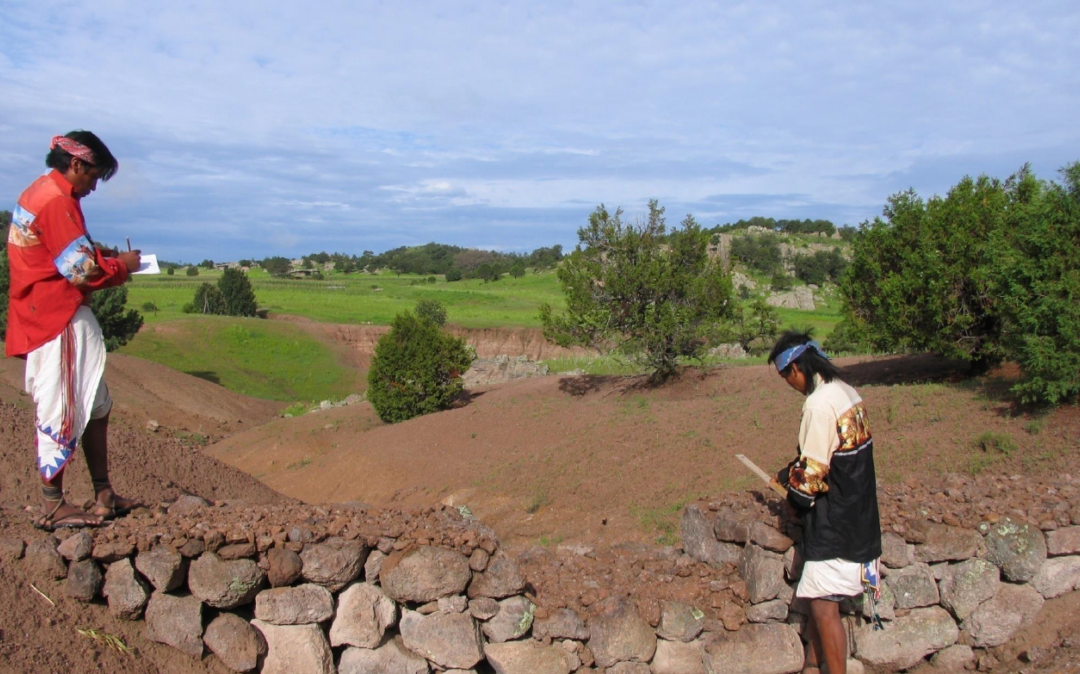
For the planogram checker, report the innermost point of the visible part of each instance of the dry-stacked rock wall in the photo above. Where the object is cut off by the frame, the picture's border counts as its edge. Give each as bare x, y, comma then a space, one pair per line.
352, 589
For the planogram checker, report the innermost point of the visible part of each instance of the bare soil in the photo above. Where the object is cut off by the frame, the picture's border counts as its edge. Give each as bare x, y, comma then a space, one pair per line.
557, 465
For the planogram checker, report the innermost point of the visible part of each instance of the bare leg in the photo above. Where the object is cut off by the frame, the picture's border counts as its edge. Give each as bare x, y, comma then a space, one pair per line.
830, 634
95, 442
812, 664
54, 509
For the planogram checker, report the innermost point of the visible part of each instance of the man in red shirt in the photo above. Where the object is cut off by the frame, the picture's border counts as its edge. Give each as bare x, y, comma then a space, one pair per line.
54, 266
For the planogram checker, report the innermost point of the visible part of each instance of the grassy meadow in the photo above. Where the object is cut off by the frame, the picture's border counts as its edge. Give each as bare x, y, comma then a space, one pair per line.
279, 361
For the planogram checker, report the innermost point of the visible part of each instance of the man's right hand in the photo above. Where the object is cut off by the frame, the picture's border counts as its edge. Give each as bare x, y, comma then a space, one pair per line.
131, 258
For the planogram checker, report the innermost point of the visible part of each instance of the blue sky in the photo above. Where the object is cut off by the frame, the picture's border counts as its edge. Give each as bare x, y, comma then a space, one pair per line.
247, 129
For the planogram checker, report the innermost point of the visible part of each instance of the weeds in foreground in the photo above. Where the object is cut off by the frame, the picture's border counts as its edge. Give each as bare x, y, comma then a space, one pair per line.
539, 500
1035, 426
661, 520
111, 640
994, 446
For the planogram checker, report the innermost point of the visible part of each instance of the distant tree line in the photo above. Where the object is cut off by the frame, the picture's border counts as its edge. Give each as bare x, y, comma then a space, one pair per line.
783, 226
454, 262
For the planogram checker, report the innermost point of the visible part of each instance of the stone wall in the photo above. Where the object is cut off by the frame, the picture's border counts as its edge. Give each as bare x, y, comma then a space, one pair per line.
354, 589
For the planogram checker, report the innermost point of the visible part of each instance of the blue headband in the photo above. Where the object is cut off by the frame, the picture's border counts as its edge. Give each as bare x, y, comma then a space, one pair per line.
788, 357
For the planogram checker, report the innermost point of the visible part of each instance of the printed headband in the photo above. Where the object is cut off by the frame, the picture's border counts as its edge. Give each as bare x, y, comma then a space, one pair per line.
788, 357
73, 147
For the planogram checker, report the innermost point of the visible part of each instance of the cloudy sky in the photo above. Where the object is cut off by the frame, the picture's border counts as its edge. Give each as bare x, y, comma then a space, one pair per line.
247, 129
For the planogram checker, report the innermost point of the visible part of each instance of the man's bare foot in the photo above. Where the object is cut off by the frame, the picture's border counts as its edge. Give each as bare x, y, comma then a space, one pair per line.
60, 514
108, 505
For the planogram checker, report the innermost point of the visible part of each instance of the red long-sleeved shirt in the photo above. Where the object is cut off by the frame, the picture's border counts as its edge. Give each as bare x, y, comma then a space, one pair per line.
54, 265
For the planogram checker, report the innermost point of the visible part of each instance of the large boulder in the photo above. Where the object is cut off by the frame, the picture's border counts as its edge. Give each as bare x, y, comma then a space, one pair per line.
1056, 577
43, 559
76, 547
700, 542
424, 573
560, 624
300, 605
896, 553
679, 622
224, 584
968, 584
236, 643
754, 649
775, 610
450, 640
943, 543
763, 572
501, 578
1063, 541
513, 620
908, 639
617, 633
390, 658
333, 565
955, 658
996, 620
529, 657
285, 567
364, 613
126, 592
84, 580
914, 586
1018, 548
677, 657
295, 648
175, 621
165, 569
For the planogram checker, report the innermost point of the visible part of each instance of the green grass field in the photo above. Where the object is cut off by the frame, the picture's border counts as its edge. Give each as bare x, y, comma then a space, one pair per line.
366, 298
263, 359
271, 359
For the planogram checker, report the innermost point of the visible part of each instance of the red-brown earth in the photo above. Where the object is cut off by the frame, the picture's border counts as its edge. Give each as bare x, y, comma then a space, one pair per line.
606, 461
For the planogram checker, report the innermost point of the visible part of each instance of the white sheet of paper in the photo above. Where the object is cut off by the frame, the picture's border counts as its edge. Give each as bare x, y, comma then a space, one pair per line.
148, 265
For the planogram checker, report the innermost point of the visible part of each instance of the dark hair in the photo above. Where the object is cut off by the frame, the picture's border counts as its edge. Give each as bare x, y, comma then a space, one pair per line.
811, 362
106, 163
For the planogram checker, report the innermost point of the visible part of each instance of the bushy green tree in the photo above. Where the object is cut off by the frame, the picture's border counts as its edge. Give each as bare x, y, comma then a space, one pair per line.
416, 369
277, 265
118, 323
754, 327
453, 275
488, 272
192, 270
170, 271
208, 300
1035, 275
237, 293
918, 277
208, 264
820, 266
518, 269
761, 252
847, 337
431, 311
780, 281
636, 289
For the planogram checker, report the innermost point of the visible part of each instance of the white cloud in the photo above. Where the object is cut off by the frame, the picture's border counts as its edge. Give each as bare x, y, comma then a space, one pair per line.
510, 114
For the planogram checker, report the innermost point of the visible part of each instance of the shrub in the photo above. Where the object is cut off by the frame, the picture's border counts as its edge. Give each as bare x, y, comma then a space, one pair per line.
821, 266
1036, 276
432, 279
170, 271
453, 275
237, 293
754, 327
192, 271
148, 307
847, 337
416, 369
431, 311
781, 282
118, 323
188, 308
518, 270
761, 252
653, 296
209, 300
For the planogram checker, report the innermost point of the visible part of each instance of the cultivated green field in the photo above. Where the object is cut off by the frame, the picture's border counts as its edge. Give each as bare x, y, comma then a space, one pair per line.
263, 359
366, 298
276, 360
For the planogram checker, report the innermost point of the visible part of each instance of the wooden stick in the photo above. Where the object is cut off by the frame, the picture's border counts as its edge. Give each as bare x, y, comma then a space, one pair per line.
768, 479
129, 244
